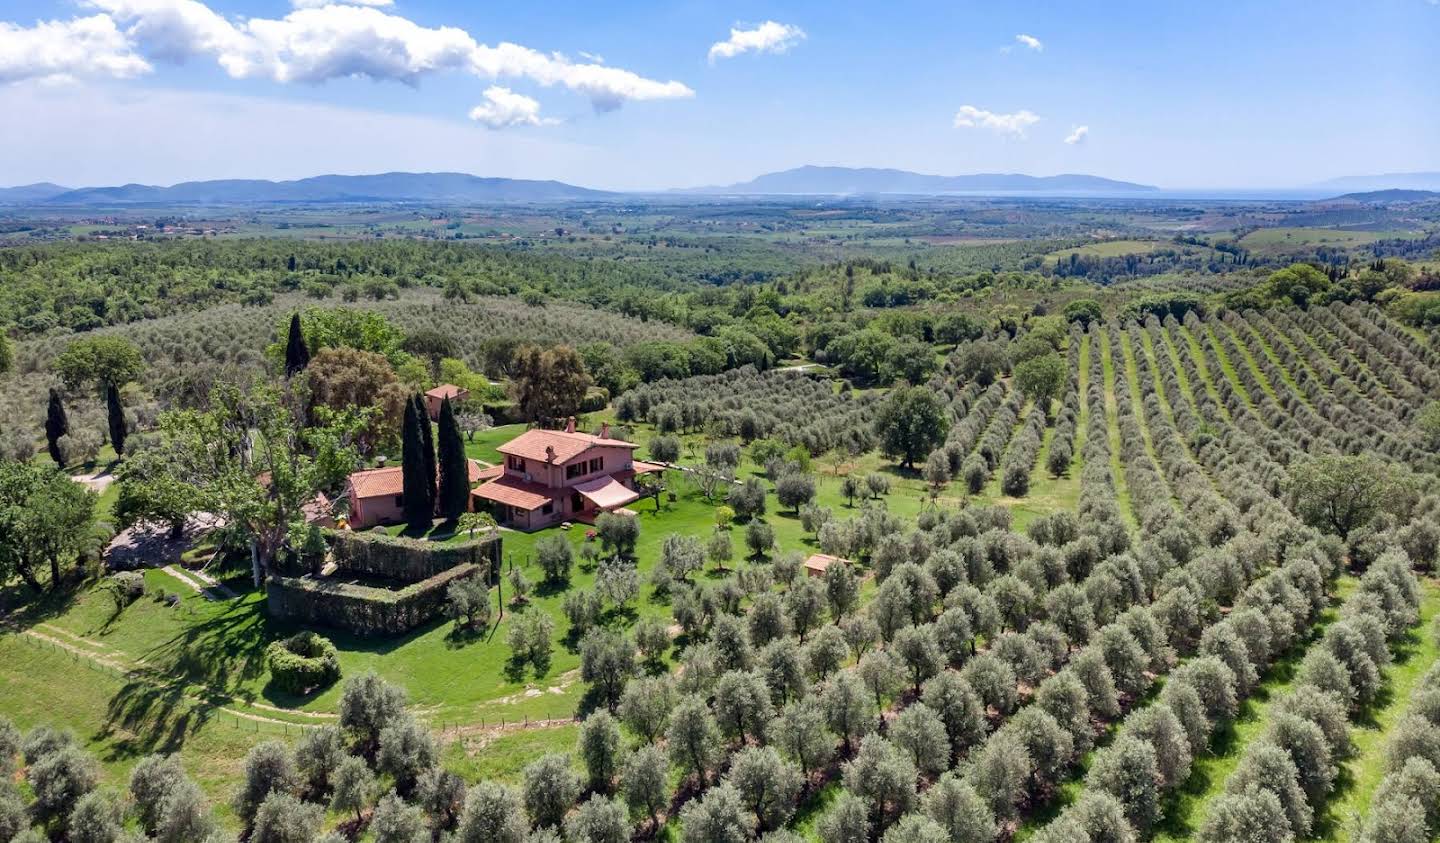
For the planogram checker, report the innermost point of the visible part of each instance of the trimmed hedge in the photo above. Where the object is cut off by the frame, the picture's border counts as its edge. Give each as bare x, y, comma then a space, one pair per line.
303, 662
361, 609
409, 560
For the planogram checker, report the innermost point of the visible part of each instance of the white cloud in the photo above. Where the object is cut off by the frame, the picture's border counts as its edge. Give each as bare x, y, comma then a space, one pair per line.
317, 43
1030, 41
64, 50
768, 37
504, 108
970, 117
596, 58
315, 4
1077, 135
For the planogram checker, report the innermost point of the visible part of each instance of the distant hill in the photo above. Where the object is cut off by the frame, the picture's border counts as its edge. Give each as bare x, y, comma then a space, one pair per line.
851, 180
445, 188
30, 192
1384, 196
1384, 181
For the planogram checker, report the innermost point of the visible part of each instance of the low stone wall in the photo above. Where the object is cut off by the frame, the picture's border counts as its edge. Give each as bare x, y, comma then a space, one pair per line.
409, 560
361, 609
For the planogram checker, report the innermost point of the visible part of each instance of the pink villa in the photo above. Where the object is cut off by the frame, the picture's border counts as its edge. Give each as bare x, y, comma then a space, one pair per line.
550, 476
435, 397
376, 496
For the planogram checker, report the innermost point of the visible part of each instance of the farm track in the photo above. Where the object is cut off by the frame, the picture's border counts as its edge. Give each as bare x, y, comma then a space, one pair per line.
106, 658
1112, 420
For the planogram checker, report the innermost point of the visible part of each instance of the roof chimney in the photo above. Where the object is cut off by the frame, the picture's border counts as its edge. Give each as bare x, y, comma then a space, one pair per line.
605, 430
570, 425
549, 453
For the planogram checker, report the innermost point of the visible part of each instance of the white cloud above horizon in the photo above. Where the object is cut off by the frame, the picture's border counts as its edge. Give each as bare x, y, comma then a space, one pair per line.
768, 37
1013, 124
504, 108
1077, 135
1030, 42
315, 4
312, 44
63, 51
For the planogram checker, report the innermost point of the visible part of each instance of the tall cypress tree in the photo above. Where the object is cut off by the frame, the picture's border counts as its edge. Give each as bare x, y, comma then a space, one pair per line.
454, 468
116, 413
57, 424
297, 354
415, 492
427, 440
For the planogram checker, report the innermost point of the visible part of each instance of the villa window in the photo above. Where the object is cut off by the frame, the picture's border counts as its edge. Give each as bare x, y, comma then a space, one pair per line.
597, 464
515, 463
573, 471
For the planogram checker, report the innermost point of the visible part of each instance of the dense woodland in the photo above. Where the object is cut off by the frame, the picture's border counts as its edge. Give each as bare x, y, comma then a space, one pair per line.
1129, 546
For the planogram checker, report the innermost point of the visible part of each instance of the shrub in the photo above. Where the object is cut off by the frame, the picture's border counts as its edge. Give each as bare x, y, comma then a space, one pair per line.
126, 587
303, 662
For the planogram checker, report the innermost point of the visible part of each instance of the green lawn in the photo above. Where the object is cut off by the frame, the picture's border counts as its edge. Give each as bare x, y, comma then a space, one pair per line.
1285, 238
482, 446
123, 721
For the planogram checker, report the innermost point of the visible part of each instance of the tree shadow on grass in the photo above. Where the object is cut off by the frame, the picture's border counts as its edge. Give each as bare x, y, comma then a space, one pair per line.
550, 588
462, 635
148, 715
516, 668
31, 608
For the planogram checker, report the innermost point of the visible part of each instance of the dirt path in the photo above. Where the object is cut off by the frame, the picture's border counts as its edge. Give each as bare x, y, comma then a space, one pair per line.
202, 583
129, 670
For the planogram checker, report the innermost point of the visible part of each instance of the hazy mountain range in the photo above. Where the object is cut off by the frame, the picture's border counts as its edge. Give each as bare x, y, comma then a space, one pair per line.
1383, 181
460, 188
447, 188
852, 180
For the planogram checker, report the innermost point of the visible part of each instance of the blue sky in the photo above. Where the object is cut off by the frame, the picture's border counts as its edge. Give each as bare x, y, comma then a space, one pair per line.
1221, 95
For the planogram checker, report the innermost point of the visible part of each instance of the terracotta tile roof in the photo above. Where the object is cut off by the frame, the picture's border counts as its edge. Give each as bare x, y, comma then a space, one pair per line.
646, 467
390, 480
378, 482
446, 390
513, 491
531, 445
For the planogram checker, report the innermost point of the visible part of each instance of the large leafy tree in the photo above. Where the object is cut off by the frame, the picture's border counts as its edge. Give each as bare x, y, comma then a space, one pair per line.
344, 378
548, 383
1340, 493
107, 363
911, 423
1040, 378
251, 459
344, 327
45, 518
100, 361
